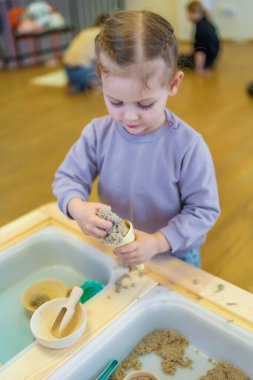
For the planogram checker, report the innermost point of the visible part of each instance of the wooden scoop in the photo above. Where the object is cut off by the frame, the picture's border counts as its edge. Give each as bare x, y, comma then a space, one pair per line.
66, 313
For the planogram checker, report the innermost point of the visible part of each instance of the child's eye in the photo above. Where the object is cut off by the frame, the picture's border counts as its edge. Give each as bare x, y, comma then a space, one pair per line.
145, 107
116, 104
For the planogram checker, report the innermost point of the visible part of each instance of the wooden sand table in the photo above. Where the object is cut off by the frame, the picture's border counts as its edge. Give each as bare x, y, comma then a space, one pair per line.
210, 292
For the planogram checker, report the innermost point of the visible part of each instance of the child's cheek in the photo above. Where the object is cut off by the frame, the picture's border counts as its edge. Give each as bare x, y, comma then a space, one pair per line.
114, 112
148, 116
110, 108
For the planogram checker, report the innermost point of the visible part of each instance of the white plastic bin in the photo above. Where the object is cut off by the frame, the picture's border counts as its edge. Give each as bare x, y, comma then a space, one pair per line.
210, 334
49, 253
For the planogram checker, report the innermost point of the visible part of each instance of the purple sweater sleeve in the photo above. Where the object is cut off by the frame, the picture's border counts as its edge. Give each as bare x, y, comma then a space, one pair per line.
199, 198
76, 174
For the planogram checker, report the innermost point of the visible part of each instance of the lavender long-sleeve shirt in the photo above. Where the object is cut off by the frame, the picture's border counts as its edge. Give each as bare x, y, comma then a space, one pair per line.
163, 181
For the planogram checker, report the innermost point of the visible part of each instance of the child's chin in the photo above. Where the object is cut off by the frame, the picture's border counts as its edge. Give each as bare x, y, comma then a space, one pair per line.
134, 131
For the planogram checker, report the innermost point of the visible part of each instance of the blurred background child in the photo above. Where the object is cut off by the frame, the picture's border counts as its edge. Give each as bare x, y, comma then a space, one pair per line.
206, 42
79, 59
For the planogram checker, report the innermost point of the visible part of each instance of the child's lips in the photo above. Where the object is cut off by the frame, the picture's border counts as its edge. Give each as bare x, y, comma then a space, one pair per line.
132, 126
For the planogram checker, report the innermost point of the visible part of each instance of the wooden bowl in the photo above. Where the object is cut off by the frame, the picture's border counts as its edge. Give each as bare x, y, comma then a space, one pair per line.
44, 317
48, 289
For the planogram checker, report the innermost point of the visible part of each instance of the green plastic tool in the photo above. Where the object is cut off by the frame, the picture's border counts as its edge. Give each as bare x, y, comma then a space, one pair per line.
108, 371
90, 289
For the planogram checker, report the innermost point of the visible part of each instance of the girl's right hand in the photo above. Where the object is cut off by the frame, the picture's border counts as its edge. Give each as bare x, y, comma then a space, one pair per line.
85, 214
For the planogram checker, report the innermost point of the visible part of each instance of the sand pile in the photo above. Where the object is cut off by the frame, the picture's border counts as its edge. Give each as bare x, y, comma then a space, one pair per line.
124, 282
224, 371
168, 344
38, 299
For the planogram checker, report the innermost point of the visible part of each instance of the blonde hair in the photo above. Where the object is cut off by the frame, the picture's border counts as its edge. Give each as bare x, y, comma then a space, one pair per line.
133, 37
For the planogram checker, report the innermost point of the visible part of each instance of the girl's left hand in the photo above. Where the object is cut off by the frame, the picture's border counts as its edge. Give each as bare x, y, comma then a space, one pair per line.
143, 248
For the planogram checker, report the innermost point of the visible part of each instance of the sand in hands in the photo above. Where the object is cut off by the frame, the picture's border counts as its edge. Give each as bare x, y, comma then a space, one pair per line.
118, 231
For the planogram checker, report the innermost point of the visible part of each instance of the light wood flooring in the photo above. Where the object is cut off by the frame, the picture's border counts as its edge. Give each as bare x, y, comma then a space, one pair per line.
39, 124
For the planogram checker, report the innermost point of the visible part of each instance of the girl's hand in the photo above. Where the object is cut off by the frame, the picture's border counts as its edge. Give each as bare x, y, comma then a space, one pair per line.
85, 214
143, 248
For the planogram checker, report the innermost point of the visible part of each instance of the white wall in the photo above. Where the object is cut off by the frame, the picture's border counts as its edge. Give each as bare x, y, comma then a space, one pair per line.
166, 8
234, 18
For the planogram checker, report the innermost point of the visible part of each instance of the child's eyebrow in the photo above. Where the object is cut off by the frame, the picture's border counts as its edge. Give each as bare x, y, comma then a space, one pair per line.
118, 100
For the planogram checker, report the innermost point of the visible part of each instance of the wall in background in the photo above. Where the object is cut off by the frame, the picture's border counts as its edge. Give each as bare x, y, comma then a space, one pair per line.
232, 17
166, 8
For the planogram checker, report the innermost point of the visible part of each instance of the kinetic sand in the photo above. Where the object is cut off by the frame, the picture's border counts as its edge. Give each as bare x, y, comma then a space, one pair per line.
224, 371
118, 231
170, 346
167, 344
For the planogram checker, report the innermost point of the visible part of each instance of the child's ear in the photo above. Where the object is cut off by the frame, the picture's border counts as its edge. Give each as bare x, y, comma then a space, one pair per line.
175, 83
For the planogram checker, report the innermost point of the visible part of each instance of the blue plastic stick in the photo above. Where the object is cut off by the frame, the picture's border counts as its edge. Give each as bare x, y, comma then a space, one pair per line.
108, 371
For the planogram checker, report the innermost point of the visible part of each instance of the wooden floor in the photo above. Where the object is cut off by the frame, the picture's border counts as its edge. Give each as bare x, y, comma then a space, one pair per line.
39, 124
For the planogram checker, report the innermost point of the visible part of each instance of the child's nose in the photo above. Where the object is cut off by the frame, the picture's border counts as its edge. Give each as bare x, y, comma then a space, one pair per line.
131, 116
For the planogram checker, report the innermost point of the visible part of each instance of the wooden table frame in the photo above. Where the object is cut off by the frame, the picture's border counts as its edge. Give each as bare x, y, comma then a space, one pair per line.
217, 295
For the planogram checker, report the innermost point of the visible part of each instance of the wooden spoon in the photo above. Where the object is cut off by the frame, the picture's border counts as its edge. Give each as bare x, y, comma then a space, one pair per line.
66, 313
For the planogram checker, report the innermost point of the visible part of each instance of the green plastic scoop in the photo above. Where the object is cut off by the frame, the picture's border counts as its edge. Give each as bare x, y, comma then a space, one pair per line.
90, 289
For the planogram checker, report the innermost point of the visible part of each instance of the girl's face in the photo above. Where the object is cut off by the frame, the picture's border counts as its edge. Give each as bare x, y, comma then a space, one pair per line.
139, 108
195, 16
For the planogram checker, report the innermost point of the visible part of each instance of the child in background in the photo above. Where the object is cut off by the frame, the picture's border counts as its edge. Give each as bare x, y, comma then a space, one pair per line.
206, 42
79, 59
153, 168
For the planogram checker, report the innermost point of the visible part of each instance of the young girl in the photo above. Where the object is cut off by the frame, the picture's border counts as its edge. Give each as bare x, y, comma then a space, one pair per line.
153, 168
206, 42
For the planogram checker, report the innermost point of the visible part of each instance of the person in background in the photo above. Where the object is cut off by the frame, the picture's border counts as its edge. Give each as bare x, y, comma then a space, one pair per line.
250, 89
79, 59
206, 42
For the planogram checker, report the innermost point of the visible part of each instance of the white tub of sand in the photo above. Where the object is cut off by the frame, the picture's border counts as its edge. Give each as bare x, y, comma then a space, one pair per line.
210, 338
